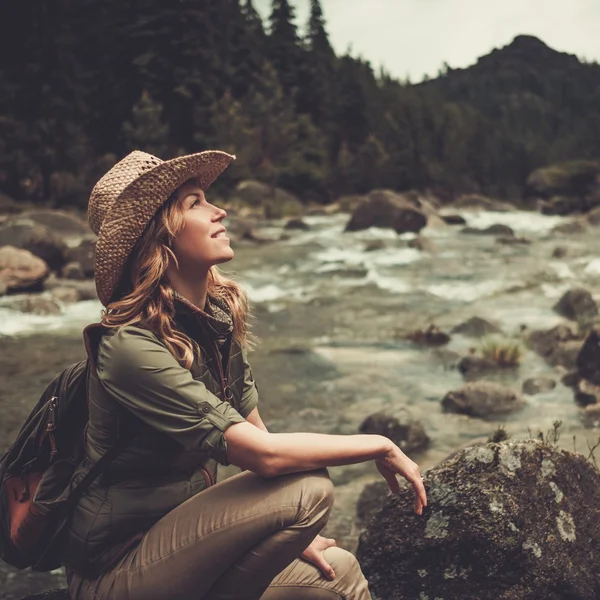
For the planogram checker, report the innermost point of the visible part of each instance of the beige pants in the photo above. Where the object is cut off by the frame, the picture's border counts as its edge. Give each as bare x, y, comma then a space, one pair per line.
237, 540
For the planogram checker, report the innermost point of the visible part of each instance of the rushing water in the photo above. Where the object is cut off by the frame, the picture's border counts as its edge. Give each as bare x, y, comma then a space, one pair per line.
333, 308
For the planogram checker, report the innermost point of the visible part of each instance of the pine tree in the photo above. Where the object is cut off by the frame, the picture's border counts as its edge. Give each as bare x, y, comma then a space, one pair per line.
317, 38
146, 130
283, 46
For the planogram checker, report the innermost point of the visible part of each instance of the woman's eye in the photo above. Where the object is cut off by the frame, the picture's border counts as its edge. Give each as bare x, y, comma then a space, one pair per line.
196, 201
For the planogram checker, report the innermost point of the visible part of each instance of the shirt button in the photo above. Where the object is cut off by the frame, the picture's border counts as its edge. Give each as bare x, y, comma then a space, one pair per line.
206, 409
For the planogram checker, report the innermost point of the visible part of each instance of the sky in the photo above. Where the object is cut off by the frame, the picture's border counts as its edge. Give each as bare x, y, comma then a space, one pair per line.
410, 38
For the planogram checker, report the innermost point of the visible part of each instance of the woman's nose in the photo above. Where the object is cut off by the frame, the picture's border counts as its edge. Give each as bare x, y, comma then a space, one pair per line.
221, 213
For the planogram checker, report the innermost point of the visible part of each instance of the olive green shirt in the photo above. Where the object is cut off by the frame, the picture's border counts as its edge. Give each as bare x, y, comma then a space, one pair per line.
172, 421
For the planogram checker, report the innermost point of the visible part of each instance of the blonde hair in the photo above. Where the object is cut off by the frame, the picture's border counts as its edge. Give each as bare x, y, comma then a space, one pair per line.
145, 296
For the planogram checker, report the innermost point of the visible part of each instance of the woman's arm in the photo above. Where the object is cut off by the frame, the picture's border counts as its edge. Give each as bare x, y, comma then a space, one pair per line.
255, 419
273, 454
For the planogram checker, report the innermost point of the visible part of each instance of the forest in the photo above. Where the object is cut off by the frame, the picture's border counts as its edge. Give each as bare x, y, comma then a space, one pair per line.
83, 82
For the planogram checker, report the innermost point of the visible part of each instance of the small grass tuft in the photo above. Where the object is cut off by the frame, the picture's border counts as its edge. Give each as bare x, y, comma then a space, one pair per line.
500, 435
502, 353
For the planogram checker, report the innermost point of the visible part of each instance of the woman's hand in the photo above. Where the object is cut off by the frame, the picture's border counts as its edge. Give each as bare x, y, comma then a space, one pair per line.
314, 554
396, 462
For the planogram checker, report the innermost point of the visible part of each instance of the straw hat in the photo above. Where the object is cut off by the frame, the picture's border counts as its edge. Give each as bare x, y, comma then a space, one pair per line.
124, 201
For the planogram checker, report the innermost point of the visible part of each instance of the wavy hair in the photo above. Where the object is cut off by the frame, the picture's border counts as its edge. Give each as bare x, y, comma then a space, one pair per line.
145, 296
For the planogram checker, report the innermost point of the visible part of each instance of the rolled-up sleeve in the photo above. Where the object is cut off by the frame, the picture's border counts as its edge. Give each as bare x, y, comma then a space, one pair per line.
141, 374
249, 400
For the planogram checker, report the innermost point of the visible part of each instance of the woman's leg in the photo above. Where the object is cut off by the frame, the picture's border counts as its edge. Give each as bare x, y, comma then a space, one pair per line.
303, 581
247, 527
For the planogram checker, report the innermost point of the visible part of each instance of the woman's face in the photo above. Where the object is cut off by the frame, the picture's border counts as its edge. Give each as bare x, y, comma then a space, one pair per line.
202, 242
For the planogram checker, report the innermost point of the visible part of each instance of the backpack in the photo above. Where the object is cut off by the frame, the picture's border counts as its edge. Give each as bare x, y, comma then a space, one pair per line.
36, 495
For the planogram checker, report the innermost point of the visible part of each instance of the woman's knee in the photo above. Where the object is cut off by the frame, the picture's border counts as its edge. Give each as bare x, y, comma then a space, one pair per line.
316, 490
348, 573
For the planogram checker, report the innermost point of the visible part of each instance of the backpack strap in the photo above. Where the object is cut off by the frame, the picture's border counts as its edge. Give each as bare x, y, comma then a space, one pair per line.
92, 334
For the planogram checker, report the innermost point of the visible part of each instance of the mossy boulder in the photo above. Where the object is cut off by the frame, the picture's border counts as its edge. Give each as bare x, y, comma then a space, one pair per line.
274, 202
573, 178
509, 521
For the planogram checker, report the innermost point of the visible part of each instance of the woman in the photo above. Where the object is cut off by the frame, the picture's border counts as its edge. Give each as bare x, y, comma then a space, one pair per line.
172, 390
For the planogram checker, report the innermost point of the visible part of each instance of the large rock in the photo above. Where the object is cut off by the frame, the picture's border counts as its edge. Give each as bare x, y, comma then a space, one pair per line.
20, 270
483, 399
86, 289
555, 344
496, 229
593, 217
383, 208
274, 201
574, 179
38, 239
476, 327
588, 359
69, 227
578, 305
508, 521
538, 385
399, 426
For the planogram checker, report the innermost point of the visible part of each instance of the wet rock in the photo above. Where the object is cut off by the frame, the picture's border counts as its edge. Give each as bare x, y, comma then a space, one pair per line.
538, 385
593, 217
475, 201
513, 241
571, 379
297, 224
67, 226
432, 336
563, 205
72, 270
421, 243
578, 305
39, 304
9, 205
483, 399
38, 239
399, 426
570, 228
57, 594
586, 393
511, 521
496, 229
547, 342
565, 354
66, 295
83, 254
559, 252
86, 288
473, 367
20, 270
588, 359
375, 245
371, 499
476, 327
385, 209
349, 202
453, 219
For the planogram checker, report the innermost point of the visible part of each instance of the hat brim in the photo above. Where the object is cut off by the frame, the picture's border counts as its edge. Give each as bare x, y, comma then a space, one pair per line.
135, 207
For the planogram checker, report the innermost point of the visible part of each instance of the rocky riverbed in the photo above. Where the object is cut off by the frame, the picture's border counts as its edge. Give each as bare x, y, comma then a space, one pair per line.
358, 323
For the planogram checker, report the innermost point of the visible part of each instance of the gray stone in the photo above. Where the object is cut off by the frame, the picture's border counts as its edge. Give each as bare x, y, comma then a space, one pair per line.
510, 521
297, 224
20, 270
386, 209
483, 399
399, 426
577, 304
538, 385
453, 219
41, 241
39, 304
496, 229
476, 327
